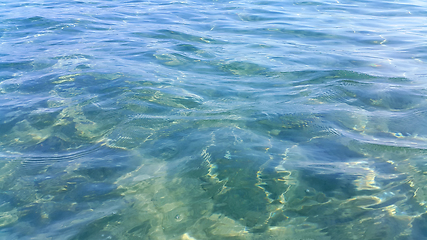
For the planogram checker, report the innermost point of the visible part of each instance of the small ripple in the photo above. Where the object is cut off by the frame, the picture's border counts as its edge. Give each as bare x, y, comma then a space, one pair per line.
40, 158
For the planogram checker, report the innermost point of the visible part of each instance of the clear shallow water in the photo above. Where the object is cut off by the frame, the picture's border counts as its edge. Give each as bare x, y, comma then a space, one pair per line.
213, 120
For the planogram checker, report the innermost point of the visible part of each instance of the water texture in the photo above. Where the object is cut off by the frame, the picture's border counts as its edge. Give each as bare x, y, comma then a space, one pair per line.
213, 119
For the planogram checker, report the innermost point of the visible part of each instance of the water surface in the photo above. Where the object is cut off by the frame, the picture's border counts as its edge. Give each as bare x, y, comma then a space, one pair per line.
213, 119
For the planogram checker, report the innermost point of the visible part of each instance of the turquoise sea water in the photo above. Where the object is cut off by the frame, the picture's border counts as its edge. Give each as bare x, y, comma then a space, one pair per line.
213, 119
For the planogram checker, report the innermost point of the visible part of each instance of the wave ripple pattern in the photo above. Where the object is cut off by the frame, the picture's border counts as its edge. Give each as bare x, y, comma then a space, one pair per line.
213, 119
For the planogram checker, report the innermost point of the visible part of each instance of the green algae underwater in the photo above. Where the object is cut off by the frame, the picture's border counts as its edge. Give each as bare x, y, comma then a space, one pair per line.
171, 168
212, 119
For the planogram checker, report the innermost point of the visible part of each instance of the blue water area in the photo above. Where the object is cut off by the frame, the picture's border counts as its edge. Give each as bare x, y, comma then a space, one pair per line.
212, 119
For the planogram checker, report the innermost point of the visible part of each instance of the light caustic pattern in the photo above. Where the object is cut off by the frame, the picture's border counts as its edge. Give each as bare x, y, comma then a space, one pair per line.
212, 120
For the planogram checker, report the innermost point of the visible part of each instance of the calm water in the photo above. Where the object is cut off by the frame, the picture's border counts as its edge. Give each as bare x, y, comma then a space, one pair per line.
213, 119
